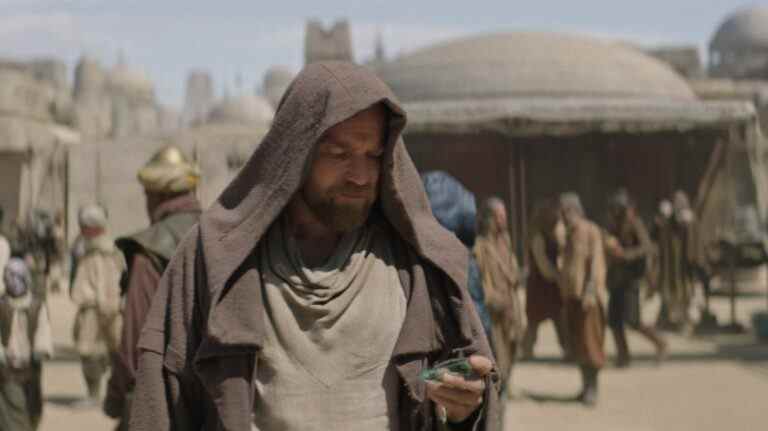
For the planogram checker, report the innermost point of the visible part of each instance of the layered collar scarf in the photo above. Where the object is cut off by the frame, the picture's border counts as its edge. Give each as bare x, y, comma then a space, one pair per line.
311, 309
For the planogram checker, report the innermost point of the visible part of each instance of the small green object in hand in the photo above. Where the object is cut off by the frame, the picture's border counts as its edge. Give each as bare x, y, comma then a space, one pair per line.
458, 366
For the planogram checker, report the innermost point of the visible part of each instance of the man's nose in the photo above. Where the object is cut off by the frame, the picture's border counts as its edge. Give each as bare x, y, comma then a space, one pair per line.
359, 172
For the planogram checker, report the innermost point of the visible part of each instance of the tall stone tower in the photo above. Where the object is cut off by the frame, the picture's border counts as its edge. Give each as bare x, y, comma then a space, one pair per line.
90, 80
333, 44
199, 97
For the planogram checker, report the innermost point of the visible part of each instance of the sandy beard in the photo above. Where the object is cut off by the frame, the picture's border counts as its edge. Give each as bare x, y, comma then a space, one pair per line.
340, 214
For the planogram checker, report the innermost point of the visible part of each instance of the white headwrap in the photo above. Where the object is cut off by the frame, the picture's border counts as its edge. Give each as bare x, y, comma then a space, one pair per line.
92, 215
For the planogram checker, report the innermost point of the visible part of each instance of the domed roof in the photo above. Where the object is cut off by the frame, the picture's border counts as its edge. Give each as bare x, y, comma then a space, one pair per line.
532, 64
245, 109
744, 29
129, 79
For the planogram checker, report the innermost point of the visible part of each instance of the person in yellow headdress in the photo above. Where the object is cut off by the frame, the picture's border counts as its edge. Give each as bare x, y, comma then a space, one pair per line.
169, 180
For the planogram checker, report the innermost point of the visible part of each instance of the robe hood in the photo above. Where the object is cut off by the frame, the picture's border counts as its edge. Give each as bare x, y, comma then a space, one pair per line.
323, 95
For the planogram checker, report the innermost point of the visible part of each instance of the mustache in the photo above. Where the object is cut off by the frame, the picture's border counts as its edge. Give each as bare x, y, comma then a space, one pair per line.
354, 190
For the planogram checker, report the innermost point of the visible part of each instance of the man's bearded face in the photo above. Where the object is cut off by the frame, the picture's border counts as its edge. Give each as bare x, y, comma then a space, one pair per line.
344, 178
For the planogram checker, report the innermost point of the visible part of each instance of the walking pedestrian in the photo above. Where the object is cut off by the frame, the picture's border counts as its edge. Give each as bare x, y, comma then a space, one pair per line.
96, 293
628, 266
582, 284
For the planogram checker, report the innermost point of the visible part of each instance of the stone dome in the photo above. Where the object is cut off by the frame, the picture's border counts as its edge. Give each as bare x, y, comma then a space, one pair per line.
245, 109
130, 80
89, 79
746, 29
531, 64
277, 79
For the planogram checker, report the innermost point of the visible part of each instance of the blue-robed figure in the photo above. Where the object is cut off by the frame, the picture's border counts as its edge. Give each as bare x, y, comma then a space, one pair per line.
455, 208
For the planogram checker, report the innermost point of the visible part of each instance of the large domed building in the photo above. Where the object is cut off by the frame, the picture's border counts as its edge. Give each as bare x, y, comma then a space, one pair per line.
739, 48
526, 64
526, 115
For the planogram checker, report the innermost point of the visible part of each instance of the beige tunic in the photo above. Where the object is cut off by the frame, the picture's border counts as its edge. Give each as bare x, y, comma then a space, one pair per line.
330, 333
584, 261
96, 292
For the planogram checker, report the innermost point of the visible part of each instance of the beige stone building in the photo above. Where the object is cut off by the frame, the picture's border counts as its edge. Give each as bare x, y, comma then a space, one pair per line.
35, 134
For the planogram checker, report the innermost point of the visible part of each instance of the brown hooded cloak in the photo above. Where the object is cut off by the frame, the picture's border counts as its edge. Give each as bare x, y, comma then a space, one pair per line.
200, 345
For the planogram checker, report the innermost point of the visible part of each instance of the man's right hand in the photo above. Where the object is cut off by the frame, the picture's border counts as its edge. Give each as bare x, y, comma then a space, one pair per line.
588, 301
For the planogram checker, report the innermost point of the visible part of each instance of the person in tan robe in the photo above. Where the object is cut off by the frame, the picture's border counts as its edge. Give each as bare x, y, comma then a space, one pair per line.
500, 276
582, 284
96, 293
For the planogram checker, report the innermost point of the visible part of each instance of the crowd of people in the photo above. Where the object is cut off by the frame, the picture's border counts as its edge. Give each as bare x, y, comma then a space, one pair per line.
580, 276
111, 284
322, 282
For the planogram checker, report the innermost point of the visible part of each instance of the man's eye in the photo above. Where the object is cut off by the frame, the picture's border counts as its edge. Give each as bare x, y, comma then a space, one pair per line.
377, 155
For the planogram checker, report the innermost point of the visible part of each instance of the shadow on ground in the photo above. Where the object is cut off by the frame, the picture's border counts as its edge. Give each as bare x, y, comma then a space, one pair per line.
740, 348
549, 398
63, 400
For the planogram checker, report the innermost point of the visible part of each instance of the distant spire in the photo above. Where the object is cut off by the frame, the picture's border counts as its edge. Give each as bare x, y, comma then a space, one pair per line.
121, 60
379, 53
239, 82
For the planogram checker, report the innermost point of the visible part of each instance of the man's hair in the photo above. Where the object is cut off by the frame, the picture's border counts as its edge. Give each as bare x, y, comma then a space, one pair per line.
2, 214
571, 201
621, 199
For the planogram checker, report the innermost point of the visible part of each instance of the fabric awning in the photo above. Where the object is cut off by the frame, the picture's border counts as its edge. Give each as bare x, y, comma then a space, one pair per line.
564, 116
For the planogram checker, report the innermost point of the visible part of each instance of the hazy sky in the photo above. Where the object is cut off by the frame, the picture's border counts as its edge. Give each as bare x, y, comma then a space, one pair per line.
244, 37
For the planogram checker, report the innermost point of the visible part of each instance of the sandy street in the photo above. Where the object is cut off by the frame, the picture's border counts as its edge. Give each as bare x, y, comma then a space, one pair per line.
708, 384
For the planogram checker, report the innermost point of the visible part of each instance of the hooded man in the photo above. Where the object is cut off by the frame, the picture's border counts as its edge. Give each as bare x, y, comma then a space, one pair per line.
582, 284
169, 180
96, 292
319, 286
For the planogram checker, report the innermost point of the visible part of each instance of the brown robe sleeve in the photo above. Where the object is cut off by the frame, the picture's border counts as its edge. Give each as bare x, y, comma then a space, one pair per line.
142, 284
169, 394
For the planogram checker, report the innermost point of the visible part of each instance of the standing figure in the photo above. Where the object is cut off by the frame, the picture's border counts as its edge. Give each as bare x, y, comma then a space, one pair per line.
582, 283
680, 256
629, 260
5, 251
319, 290
24, 343
454, 207
169, 181
501, 281
56, 280
543, 300
96, 292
